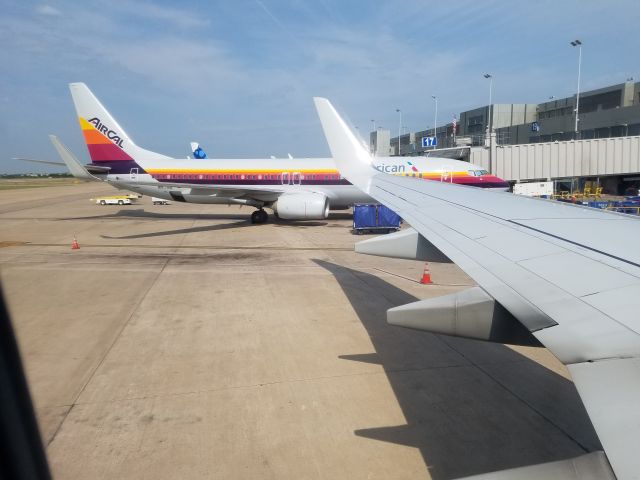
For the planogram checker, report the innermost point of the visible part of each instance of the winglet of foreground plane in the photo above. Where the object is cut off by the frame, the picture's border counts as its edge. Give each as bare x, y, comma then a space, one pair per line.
351, 158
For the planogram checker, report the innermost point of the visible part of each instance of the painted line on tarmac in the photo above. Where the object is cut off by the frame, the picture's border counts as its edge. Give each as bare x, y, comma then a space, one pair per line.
187, 247
12, 243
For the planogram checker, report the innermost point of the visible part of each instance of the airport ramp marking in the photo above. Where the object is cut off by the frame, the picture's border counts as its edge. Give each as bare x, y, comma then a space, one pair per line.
12, 243
199, 247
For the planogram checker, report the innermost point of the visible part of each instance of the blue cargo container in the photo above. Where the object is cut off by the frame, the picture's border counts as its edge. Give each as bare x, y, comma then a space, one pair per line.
376, 218
601, 205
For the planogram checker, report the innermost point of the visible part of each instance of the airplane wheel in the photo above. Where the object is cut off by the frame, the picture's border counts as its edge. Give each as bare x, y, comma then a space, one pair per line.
259, 216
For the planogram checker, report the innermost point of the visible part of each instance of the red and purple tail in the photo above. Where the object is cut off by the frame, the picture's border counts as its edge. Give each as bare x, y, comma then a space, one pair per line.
108, 143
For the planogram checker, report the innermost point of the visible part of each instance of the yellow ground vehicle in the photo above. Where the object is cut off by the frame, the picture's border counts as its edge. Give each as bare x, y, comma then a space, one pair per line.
115, 200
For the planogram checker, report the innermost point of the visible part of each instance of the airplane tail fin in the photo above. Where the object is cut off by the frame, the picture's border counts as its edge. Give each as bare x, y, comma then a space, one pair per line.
197, 151
106, 140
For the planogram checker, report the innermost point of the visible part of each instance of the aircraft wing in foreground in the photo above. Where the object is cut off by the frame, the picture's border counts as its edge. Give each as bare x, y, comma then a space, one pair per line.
569, 275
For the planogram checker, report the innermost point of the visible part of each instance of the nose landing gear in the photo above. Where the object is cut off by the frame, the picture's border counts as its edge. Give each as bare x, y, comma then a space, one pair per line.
259, 216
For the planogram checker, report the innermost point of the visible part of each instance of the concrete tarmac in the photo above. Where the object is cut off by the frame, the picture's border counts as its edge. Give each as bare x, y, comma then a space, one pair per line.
182, 341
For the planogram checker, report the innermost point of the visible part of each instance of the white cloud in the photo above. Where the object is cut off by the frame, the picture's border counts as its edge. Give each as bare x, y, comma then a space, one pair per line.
48, 10
180, 17
178, 64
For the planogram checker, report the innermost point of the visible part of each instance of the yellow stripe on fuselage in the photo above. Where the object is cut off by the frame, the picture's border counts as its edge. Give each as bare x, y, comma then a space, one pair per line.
433, 174
279, 170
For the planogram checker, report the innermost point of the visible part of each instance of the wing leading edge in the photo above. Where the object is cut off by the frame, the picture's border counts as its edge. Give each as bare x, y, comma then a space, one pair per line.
570, 275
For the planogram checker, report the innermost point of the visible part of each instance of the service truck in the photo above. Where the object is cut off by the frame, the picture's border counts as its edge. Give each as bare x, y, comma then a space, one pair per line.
117, 200
534, 189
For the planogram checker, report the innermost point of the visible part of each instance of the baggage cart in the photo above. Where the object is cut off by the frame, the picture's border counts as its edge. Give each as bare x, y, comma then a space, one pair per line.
374, 218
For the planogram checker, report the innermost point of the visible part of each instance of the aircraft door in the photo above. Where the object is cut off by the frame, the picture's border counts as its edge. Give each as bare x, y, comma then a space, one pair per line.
296, 178
133, 174
286, 178
446, 175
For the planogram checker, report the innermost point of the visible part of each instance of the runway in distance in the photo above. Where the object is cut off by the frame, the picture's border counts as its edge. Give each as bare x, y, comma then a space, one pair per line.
560, 275
295, 189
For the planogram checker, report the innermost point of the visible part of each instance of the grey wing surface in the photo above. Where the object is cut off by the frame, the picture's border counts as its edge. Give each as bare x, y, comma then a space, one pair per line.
570, 275
226, 191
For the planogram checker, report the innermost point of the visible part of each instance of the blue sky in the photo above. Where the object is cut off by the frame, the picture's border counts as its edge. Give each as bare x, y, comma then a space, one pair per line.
239, 76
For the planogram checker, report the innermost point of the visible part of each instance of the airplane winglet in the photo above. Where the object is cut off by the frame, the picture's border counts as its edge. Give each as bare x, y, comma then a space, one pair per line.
70, 160
353, 161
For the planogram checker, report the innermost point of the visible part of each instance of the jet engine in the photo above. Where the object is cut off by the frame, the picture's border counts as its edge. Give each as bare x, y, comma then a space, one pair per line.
302, 206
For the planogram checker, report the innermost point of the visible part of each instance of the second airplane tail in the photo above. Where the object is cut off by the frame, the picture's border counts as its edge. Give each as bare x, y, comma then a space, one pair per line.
106, 140
197, 151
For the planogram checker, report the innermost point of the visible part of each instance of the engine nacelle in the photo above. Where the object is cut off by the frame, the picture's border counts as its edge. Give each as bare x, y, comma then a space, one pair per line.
302, 206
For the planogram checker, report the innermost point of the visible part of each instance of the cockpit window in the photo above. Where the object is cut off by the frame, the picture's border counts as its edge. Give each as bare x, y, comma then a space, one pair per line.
478, 173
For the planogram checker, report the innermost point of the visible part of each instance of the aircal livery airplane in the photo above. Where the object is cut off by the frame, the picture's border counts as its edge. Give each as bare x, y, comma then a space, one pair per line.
295, 189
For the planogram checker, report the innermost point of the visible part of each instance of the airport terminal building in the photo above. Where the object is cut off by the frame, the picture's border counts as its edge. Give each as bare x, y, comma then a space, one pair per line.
530, 142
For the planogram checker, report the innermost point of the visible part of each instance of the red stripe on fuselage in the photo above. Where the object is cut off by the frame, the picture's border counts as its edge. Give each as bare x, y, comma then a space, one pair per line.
485, 181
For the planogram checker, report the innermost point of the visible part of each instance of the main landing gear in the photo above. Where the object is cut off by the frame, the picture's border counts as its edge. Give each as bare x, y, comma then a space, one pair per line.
259, 216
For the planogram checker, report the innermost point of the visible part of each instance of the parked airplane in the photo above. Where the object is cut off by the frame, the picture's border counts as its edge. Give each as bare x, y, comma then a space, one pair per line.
564, 276
295, 189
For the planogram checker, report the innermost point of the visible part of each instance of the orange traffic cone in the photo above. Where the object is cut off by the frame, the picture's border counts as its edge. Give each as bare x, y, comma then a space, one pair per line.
74, 244
426, 275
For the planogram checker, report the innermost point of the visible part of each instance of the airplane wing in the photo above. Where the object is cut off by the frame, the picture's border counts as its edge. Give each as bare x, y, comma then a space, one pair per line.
227, 191
569, 274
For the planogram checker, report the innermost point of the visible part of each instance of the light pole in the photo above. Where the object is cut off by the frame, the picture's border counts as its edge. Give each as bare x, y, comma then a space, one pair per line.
578, 43
399, 128
490, 77
374, 134
435, 120
489, 140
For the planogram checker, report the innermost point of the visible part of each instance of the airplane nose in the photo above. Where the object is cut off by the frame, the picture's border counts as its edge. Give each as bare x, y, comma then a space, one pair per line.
497, 183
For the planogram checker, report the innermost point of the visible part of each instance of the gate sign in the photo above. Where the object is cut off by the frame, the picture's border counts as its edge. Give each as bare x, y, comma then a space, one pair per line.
429, 142
535, 127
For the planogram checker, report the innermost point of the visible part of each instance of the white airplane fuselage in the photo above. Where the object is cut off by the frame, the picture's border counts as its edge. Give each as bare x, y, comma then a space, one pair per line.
161, 178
